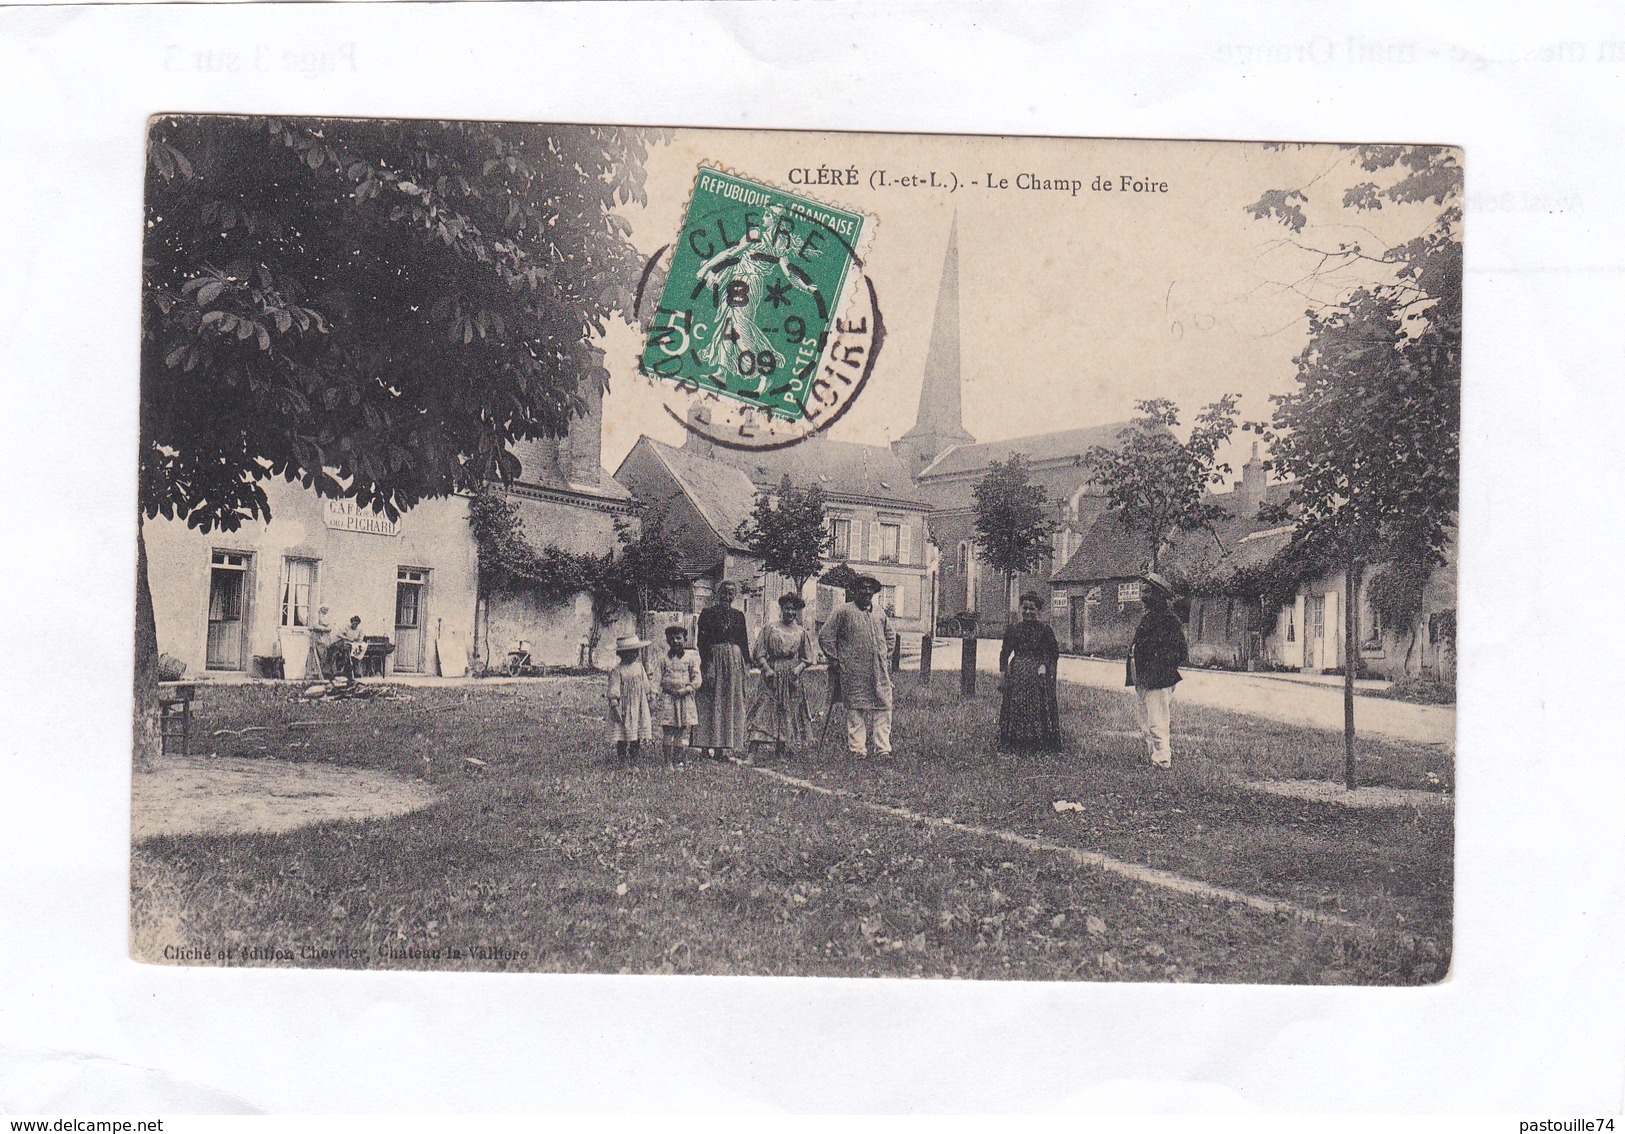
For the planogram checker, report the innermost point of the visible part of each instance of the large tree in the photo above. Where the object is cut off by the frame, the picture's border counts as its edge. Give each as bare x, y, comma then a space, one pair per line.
372, 309
1157, 485
1371, 436
786, 529
1013, 524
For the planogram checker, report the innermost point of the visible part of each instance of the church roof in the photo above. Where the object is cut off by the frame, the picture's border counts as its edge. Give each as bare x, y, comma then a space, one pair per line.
1066, 444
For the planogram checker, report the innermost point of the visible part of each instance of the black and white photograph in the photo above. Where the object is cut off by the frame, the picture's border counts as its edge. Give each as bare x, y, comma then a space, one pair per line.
592, 548
809, 559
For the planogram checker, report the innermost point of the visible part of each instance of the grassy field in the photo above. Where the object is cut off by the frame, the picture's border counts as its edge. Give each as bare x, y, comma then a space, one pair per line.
550, 859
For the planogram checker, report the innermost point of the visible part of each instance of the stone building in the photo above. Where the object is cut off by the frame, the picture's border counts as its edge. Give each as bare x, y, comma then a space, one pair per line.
876, 518
222, 600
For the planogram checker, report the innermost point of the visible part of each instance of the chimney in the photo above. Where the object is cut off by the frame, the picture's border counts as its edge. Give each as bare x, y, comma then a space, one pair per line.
581, 451
1250, 489
699, 415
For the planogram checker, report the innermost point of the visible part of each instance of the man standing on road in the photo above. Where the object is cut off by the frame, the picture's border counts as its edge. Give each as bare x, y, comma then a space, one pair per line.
858, 640
1153, 666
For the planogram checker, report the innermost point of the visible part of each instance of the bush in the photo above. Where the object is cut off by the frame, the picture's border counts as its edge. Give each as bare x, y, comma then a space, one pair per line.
1423, 691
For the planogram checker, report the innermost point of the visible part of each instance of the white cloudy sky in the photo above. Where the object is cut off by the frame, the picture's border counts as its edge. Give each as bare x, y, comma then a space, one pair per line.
1071, 307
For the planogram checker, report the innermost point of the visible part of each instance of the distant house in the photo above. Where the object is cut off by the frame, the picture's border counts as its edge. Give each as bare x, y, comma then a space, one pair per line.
704, 502
1101, 590
1309, 633
875, 516
1055, 461
1101, 582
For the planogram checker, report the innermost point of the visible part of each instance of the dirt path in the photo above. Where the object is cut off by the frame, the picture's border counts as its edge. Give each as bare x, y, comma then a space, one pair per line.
186, 795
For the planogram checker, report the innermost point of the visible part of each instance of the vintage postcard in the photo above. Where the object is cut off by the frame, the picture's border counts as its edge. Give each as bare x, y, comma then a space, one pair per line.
582, 548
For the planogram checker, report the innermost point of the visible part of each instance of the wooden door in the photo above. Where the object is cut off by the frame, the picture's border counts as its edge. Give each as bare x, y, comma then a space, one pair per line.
1314, 632
228, 586
411, 591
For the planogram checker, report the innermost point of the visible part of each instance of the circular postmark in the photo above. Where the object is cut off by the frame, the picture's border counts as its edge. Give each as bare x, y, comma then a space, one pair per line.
764, 329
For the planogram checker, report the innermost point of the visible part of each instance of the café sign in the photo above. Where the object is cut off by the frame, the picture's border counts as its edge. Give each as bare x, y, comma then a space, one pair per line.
344, 516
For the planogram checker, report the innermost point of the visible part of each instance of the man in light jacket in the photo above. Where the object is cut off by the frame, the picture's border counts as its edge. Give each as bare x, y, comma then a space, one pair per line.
858, 639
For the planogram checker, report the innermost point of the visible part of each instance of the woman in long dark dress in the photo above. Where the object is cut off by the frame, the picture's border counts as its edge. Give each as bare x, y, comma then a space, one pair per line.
724, 644
1028, 714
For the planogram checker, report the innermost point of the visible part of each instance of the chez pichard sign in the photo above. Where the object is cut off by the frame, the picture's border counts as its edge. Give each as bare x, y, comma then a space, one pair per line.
344, 516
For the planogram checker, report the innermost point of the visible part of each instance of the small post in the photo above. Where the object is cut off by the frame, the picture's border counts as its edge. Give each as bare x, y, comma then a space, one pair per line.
897, 654
967, 666
926, 642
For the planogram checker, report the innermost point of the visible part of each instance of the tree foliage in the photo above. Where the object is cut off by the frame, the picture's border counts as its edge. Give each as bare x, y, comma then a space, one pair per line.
638, 575
1013, 525
1157, 485
645, 573
1371, 436
374, 309
786, 528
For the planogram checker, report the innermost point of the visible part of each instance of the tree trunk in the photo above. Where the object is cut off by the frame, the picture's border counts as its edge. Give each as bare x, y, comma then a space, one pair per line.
148, 740
1351, 662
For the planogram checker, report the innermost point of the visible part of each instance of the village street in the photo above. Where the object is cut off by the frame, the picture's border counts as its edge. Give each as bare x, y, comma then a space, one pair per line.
1290, 698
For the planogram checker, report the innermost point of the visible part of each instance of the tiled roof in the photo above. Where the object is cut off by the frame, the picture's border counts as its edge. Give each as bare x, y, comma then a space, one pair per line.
1063, 445
539, 466
840, 468
1112, 551
723, 494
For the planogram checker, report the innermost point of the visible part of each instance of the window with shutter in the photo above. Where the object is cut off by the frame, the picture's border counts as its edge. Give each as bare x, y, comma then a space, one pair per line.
891, 541
841, 528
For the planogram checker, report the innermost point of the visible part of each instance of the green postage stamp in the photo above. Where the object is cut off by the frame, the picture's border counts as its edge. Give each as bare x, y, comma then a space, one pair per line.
756, 279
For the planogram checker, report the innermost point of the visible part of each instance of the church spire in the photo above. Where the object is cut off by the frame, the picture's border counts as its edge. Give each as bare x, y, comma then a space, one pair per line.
939, 424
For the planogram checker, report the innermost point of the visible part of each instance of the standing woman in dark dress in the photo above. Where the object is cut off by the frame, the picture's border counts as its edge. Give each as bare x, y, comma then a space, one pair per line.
1029, 715
724, 644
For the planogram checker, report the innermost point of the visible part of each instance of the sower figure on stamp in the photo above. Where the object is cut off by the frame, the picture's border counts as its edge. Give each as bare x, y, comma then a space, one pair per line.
1153, 666
857, 640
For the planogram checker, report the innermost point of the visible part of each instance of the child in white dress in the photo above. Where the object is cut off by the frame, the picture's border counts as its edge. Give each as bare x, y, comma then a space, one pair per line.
631, 715
679, 678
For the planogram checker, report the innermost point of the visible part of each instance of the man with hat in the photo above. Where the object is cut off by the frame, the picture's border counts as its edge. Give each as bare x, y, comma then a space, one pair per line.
1153, 665
858, 639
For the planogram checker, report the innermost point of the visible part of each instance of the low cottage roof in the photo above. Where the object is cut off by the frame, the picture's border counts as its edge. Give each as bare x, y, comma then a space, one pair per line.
539, 465
721, 493
1112, 551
